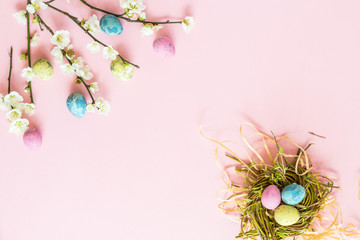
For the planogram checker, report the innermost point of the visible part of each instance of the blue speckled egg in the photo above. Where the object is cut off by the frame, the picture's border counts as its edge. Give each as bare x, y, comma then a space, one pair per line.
111, 25
293, 194
76, 103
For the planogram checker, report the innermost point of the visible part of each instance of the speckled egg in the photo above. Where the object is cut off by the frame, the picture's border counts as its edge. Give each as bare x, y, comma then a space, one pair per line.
111, 25
32, 139
271, 197
293, 194
119, 70
164, 47
43, 69
286, 215
76, 103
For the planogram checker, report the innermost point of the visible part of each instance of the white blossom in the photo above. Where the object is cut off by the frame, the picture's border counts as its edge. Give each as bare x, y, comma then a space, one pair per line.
67, 69
19, 126
94, 47
36, 5
61, 39
13, 99
13, 114
29, 108
30, 8
69, 53
94, 87
149, 29
99, 102
103, 106
132, 8
92, 24
78, 63
188, 24
57, 55
142, 16
90, 107
4, 105
110, 52
28, 74
85, 72
104, 109
34, 40
21, 16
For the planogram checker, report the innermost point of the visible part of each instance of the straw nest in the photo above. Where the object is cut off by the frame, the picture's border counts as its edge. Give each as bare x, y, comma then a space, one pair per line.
320, 216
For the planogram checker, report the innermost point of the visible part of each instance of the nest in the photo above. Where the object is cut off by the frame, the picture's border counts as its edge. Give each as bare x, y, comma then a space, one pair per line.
320, 216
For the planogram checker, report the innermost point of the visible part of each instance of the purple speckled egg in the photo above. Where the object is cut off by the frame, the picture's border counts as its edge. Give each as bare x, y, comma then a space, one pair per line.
164, 47
271, 197
32, 139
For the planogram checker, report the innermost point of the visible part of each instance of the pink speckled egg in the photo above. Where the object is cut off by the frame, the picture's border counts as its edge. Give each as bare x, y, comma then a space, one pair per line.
164, 47
271, 197
32, 139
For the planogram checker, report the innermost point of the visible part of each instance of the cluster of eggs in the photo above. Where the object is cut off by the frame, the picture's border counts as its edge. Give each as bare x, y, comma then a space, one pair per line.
76, 102
285, 214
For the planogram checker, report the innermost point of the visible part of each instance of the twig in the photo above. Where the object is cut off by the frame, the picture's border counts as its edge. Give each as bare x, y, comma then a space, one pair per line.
126, 18
28, 54
317, 135
102, 10
41, 22
11, 65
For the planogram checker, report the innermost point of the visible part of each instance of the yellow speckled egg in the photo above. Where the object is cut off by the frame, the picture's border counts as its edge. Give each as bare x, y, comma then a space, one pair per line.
43, 69
286, 215
120, 70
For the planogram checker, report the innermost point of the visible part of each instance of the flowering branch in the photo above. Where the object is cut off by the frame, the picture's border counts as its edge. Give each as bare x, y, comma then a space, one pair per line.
122, 16
14, 105
28, 53
120, 67
41, 21
11, 64
75, 20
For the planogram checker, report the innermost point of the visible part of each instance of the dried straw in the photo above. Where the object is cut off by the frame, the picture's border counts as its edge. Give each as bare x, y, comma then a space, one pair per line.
320, 217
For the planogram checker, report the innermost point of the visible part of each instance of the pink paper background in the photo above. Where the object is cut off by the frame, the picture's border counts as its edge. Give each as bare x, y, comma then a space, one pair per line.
144, 172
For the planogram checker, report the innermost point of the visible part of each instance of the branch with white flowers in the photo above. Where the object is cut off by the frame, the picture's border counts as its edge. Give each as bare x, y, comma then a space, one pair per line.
74, 66
69, 54
131, 12
13, 103
121, 68
88, 31
135, 9
27, 72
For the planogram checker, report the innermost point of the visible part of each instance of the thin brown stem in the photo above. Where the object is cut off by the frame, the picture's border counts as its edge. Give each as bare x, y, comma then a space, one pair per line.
317, 135
101, 10
75, 20
28, 54
123, 16
11, 65
41, 22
